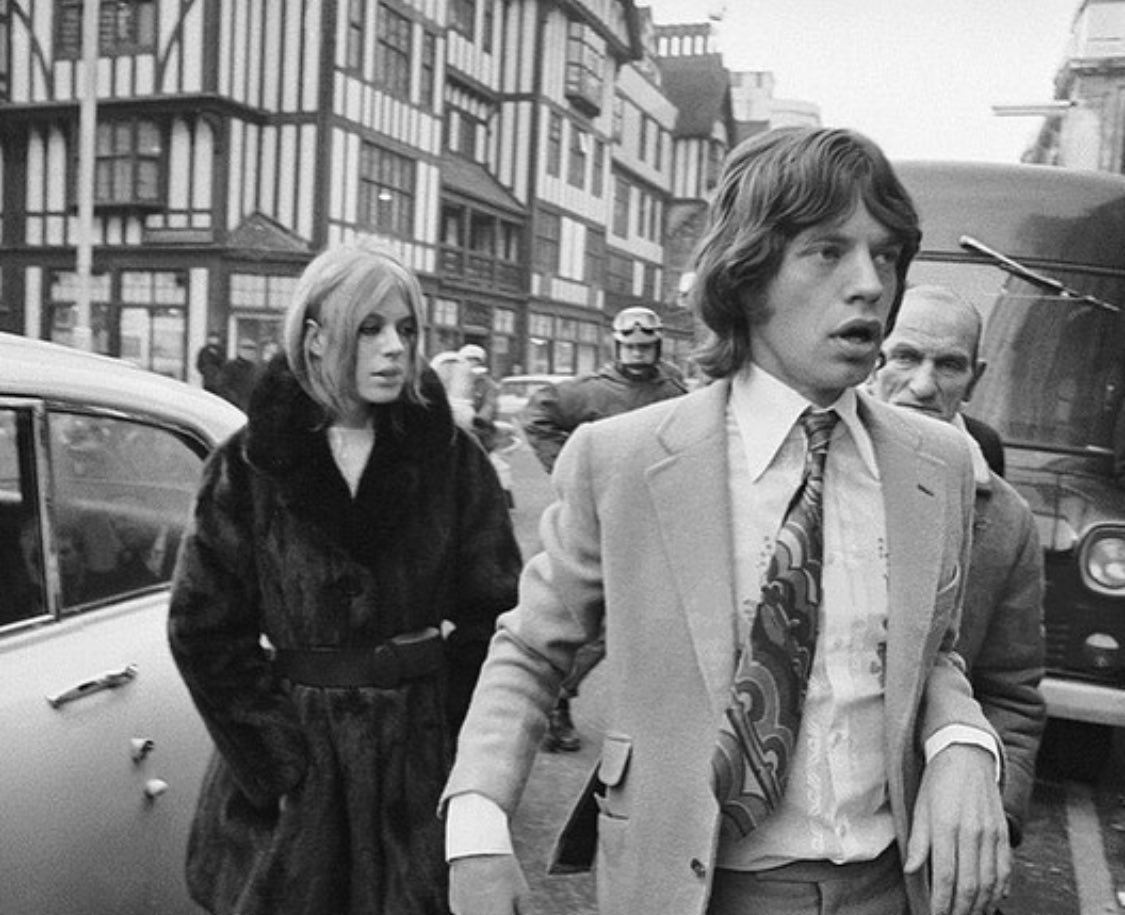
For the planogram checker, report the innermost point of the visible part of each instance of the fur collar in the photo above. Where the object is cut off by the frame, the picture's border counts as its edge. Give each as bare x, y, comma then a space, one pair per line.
285, 437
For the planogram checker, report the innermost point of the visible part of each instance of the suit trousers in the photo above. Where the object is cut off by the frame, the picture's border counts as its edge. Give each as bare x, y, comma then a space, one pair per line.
814, 888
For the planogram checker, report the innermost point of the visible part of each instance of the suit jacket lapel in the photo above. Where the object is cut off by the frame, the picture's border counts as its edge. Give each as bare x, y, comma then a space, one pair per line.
690, 491
908, 497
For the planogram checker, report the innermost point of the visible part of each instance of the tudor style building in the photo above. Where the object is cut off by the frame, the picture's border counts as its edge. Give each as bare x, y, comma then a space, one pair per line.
518, 154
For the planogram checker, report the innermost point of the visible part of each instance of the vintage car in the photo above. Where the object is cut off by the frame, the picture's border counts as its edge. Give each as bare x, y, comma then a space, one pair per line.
1040, 251
103, 750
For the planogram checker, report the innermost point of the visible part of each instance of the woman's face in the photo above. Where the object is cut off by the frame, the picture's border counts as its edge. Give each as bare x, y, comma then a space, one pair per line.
384, 349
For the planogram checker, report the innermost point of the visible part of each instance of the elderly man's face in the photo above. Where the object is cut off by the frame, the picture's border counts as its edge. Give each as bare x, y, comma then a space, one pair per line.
929, 360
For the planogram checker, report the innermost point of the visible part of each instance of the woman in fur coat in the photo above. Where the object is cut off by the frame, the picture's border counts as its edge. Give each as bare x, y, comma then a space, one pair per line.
349, 552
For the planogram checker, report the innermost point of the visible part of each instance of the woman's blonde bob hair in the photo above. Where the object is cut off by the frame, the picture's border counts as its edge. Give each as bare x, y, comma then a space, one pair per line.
337, 291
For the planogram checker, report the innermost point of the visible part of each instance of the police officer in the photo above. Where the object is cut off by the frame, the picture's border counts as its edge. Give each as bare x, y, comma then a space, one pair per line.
636, 377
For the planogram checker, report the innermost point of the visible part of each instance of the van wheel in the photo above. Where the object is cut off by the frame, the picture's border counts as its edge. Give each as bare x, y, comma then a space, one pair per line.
1074, 750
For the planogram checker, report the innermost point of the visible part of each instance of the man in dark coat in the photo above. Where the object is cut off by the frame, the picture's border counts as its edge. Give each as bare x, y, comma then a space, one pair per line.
239, 376
636, 377
209, 362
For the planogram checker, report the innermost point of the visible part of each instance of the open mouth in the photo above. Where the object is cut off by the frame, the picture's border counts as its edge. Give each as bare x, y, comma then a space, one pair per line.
863, 334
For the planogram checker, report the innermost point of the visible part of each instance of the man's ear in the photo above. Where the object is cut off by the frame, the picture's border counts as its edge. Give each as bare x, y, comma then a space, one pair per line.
315, 336
978, 370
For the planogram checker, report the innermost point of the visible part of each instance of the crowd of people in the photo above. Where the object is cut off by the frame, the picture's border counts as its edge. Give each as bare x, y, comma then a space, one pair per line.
234, 378
817, 605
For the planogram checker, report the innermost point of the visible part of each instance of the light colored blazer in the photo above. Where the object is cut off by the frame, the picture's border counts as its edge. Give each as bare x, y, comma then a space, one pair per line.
641, 537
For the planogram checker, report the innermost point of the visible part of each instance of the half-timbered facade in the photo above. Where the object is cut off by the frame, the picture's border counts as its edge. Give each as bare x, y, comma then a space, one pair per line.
518, 154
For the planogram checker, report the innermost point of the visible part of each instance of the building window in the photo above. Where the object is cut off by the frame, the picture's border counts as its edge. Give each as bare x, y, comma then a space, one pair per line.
595, 257
429, 69
462, 16
392, 70
619, 275
128, 162
154, 320
620, 206
354, 51
585, 63
597, 178
488, 26
461, 131
658, 147
554, 144
548, 232
642, 139
124, 27
62, 310
579, 142
386, 191
714, 165
618, 129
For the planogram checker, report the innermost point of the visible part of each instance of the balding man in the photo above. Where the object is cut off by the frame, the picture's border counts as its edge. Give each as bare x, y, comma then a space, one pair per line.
930, 364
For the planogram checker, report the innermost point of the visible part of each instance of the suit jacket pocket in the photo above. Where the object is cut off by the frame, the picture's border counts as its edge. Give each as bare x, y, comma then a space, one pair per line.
575, 847
616, 752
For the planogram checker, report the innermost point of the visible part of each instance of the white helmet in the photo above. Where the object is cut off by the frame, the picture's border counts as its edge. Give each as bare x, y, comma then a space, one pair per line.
637, 325
472, 351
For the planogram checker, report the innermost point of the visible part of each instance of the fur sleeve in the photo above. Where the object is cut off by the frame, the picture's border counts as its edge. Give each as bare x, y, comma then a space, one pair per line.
214, 632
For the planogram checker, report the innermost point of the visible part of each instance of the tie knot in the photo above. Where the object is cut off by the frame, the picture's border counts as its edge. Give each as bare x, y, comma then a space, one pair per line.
818, 429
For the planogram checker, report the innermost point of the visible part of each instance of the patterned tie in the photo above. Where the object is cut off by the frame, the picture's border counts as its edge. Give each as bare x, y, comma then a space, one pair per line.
756, 745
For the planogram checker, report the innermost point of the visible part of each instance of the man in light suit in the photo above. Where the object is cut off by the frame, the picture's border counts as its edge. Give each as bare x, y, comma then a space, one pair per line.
930, 364
663, 531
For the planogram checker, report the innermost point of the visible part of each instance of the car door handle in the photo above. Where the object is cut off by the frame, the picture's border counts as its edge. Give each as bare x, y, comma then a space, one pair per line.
109, 680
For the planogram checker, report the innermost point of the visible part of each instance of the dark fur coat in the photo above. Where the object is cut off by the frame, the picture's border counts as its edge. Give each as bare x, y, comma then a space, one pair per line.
324, 800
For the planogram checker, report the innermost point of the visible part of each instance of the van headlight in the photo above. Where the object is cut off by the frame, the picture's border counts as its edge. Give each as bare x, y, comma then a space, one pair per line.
1102, 561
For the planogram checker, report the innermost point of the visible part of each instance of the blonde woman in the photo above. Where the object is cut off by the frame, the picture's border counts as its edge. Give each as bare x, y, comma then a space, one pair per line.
340, 528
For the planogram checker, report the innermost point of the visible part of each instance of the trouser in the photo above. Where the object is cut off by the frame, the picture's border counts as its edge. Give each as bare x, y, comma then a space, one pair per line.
814, 888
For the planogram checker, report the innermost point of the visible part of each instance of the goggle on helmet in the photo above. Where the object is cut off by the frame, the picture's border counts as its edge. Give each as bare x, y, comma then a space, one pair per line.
637, 325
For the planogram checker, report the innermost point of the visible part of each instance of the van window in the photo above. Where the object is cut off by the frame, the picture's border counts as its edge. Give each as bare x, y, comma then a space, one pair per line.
1056, 365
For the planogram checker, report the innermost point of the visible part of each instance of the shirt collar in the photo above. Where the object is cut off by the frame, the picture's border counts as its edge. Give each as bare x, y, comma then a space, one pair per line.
766, 409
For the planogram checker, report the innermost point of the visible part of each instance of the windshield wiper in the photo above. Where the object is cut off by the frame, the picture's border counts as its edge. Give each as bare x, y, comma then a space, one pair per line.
1015, 268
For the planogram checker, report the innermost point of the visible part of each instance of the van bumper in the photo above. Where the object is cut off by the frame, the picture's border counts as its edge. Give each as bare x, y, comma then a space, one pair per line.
1074, 700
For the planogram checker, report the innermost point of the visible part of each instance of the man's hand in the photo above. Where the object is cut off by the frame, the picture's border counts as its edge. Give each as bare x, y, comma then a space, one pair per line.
487, 885
959, 824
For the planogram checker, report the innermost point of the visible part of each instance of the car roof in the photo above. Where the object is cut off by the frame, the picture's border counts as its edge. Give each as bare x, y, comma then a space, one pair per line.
1030, 212
36, 368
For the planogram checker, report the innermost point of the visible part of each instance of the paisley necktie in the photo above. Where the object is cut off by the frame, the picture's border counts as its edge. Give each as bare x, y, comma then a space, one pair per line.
756, 745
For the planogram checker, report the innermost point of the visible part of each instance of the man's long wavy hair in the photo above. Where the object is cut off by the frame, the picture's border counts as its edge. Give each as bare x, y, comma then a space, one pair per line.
773, 187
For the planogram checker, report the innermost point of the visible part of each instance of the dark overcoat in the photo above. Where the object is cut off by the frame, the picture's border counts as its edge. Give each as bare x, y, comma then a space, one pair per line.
323, 800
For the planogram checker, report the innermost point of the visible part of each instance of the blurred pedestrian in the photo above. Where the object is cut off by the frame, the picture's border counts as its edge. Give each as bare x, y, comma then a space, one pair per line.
335, 540
240, 374
930, 364
209, 362
637, 376
777, 559
486, 395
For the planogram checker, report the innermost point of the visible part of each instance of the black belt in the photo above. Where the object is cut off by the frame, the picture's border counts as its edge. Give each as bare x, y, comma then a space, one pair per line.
384, 666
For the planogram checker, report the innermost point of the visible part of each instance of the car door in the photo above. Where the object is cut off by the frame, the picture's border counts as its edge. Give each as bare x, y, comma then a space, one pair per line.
103, 752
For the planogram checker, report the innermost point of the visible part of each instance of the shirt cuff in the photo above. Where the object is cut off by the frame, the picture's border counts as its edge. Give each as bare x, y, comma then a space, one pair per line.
963, 733
475, 825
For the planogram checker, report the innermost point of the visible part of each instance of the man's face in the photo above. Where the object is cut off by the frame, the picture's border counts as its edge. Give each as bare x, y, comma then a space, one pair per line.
929, 362
827, 305
637, 353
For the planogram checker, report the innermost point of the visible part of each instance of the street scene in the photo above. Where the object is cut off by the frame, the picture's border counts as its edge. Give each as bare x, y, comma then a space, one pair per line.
806, 319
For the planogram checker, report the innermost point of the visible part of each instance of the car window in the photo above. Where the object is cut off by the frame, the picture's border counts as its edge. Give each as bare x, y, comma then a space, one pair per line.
21, 574
1055, 371
122, 493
